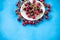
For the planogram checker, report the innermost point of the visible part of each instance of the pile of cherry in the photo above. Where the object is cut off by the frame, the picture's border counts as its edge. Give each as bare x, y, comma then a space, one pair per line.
31, 11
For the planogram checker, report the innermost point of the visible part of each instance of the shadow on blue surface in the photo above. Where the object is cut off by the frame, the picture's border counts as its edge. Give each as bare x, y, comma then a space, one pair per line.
1, 5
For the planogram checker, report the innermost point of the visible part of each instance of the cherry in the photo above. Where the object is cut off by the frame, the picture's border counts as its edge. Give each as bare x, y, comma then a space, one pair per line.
46, 12
33, 17
20, 15
41, 0
45, 4
32, 4
46, 16
18, 9
27, 8
40, 11
31, 22
26, 22
17, 12
18, 19
19, 2
48, 9
48, 5
16, 4
29, 3
28, 15
24, 9
23, 23
38, 5
26, 4
30, 7
38, 20
41, 19
36, 12
24, 19
34, 1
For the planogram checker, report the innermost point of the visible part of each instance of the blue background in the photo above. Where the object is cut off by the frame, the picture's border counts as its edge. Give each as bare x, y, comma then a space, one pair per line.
11, 29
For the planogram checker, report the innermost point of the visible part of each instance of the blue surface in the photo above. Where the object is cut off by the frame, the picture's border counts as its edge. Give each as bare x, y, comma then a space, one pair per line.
11, 29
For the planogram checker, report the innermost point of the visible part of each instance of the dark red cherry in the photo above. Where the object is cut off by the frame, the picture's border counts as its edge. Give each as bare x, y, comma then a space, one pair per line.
34, 1
46, 12
23, 23
48, 9
26, 22
24, 9
48, 5
45, 4
36, 12
33, 17
17, 4
41, 0
29, 15
18, 19
40, 11
17, 12
26, 4
31, 22
46, 16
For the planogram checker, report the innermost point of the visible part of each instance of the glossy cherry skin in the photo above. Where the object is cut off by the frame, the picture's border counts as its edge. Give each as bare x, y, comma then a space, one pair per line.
33, 17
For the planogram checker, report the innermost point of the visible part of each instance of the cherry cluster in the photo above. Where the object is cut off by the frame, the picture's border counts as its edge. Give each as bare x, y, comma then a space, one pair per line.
31, 11
47, 7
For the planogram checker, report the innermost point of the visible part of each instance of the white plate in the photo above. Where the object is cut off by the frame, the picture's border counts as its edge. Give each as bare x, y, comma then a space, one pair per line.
23, 13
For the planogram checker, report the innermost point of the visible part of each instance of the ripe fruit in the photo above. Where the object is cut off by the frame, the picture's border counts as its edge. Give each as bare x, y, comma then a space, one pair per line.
46, 12
29, 3
27, 8
41, 19
23, 23
48, 5
45, 4
26, 22
41, 0
26, 4
24, 9
46, 17
48, 9
34, 1
38, 5
16, 4
33, 23
33, 17
40, 11
18, 19
30, 22
17, 12
36, 12
28, 15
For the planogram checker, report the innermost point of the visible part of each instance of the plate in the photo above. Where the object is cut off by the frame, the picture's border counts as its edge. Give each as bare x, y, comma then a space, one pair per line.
23, 13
